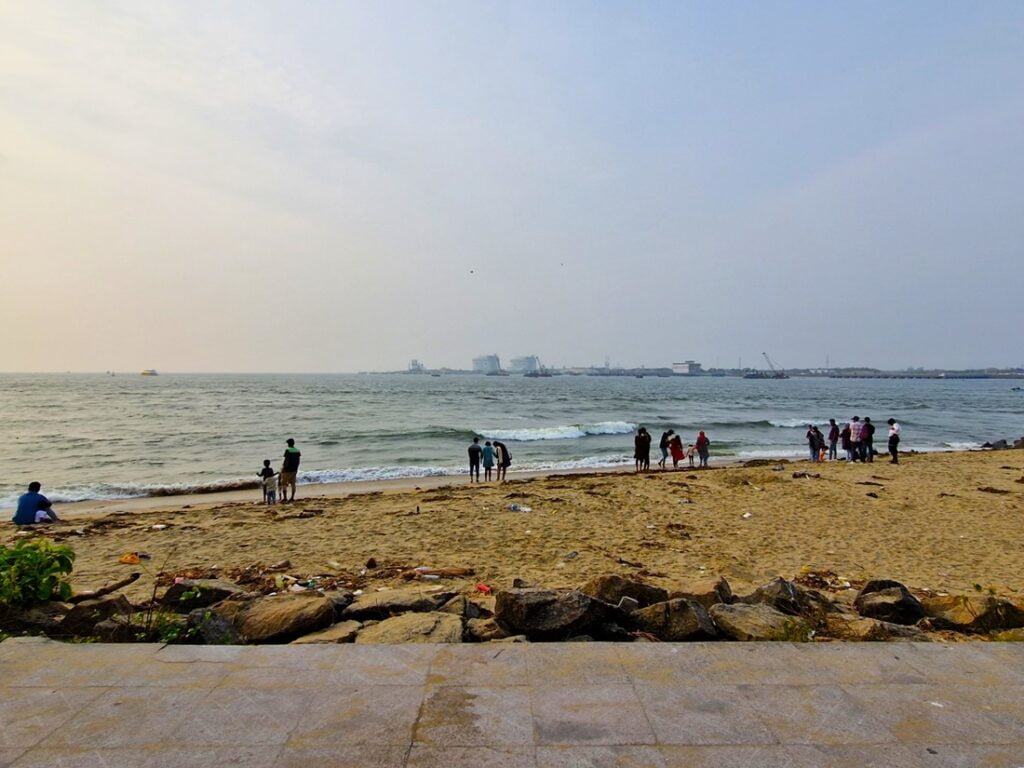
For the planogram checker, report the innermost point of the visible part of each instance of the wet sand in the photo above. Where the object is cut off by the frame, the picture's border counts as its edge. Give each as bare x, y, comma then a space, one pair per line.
929, 523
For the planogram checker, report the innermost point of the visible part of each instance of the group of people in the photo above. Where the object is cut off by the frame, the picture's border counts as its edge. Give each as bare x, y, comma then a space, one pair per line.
857, 439
670, 444
493, 455
271, 481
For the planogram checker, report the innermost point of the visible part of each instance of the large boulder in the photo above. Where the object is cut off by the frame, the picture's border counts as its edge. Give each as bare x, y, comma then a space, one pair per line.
545, 614
789, 598
759, 622
888, 600
612, 587
707, 592
675, 620
432, 627
81, 619
381, 605
996, 445
972, 613
189, 594
342, 632
281, 618
1009, 636
850, 626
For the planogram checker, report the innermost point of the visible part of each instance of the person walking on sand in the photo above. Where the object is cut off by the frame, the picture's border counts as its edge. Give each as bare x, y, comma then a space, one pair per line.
666, 439
867, 441
703, 446
34, 508
833, 438
488, 457
475, 452
289, 470
503, 460
894, 441
266, 476
675, 446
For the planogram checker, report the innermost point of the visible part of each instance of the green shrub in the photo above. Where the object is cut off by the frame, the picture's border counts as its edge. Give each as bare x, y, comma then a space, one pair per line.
34, 571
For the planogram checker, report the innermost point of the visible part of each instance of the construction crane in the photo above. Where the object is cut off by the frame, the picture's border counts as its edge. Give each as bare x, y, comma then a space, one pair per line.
774, 374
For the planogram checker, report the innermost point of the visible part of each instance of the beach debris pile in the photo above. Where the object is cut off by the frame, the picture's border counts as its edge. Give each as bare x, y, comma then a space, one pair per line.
267, 604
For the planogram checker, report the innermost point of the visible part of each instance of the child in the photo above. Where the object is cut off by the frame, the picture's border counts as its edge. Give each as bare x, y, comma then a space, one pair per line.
267, 475
691, 451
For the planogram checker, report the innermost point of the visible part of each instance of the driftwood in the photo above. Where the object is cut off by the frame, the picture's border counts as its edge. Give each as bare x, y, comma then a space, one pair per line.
104, 590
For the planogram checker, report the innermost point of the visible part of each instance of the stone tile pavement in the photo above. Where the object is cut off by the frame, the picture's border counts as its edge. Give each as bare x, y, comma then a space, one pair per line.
544, 706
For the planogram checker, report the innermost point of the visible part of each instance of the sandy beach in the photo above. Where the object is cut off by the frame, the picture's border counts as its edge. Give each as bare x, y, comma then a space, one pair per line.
945, 522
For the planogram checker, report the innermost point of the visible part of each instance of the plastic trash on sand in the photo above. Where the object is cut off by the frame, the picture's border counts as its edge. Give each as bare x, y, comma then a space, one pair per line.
519, 508
129, 558
483, 588
746, 515
158, 527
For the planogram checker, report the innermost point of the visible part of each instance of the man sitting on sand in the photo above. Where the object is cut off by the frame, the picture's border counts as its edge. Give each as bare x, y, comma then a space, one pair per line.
33, 507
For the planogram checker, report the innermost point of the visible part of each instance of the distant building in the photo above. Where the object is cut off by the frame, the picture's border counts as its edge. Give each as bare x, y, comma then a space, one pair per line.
486, 364
688, 367
528, 364
415, 366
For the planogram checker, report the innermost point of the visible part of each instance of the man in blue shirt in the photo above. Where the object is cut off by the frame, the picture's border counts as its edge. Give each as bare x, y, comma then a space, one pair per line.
33, 508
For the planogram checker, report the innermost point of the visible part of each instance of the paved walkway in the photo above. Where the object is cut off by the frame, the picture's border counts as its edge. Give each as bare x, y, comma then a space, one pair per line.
666, 705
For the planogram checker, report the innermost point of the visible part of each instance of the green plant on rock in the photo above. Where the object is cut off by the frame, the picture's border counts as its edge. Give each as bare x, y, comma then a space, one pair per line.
34, 571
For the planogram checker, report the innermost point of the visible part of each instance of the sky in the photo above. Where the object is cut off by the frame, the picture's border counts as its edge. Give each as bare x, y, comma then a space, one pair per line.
331, 186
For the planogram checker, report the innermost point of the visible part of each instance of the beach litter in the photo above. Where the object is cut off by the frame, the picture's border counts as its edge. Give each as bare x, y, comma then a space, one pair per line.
483, 588
519, 508
746, 515
129, 558
158, 527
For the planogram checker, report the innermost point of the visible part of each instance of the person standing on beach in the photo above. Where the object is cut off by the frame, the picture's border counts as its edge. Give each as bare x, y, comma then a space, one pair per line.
812, 441
266, 476
289, 470
703, 446
675, 446
867, 441
666, 439
833, 438
894, 441
855, 428
488, 456
34, 508
642, 450
503, 459
844, 438
475, 452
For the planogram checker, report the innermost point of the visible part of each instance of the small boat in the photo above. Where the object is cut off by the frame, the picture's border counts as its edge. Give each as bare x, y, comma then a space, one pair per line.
436, 375
148, 372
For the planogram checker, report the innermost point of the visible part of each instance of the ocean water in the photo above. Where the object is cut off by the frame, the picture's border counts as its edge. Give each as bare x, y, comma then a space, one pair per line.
95, 436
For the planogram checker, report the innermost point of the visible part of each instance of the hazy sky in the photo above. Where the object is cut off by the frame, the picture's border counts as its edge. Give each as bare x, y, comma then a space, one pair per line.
198, 186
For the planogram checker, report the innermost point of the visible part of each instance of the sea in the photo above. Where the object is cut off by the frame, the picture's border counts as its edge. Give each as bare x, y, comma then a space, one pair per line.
99, 436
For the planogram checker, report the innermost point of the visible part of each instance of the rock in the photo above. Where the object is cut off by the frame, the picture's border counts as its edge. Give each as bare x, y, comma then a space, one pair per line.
283, 617
460, 606
342, 632
1019, 442
44, 618
190, 594
1009, 636
614, 633
997, 445
432, 627
848, 626
117, 629
381, 605
544, 614
485, 630
81, 619
675, 620
707, 592
340, 599
787, 597
888, 600
213, 627
627, 604
972, 613
611, 588
759, 622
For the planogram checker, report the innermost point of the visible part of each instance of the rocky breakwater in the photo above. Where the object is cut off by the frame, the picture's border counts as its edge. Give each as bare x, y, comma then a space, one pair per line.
610, 607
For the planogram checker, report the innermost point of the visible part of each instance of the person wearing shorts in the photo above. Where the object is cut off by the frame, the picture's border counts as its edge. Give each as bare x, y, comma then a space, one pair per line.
289, 470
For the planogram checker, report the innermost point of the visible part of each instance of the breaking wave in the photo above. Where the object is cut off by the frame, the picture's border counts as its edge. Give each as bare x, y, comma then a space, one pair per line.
570, 432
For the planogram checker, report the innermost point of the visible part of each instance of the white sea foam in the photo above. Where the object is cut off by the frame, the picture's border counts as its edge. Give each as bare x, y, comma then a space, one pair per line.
962, 446
568, 432
771, 453
795, 423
